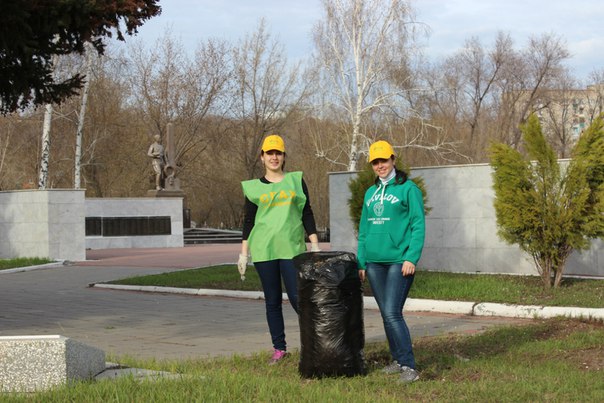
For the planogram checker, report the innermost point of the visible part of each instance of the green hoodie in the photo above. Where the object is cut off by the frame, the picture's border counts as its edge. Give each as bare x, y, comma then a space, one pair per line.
392, 227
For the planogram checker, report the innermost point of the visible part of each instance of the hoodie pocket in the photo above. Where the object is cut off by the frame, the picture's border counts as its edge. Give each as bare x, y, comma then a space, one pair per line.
381, 248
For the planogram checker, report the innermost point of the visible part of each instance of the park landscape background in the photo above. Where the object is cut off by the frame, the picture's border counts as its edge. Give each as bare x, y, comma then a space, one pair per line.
227, 96
224, 97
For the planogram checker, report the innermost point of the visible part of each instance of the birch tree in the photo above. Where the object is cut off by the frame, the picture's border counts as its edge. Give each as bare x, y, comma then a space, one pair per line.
64, 66
45, 150
82, 117
357, 44
45, 144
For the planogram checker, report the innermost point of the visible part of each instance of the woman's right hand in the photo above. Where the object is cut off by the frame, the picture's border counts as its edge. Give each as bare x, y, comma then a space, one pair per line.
408, 268
362, 275
242, 265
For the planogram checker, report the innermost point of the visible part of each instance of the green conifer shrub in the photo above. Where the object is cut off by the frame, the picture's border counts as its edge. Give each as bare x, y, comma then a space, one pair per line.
548, 211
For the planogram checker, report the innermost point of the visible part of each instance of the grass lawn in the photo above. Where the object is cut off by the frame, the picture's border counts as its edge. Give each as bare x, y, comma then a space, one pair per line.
523, 290
542, 360
22, 262
559, 360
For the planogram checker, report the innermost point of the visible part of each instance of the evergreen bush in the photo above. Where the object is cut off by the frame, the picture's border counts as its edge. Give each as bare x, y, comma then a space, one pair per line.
546, 211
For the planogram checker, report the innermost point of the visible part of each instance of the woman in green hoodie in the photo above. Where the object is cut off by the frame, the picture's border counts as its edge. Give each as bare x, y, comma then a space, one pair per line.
391, 238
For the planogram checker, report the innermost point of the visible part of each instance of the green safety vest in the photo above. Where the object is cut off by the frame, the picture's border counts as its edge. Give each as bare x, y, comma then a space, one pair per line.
278, 232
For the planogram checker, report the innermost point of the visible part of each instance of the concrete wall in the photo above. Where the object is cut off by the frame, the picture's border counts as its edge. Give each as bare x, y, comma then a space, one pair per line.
137, 207
461, 230
42, 223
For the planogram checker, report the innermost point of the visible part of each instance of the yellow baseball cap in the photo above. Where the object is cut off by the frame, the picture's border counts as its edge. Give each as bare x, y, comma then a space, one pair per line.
380, 149
273, 142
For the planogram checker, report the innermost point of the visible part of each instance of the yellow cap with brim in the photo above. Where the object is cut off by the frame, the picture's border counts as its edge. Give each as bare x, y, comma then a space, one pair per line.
380, 150
273, 142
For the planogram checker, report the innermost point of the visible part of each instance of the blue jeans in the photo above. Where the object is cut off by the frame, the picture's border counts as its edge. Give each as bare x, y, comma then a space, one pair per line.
270, 273
390, 289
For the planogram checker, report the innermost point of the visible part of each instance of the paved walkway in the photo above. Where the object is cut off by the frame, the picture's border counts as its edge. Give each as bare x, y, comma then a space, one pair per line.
58, 300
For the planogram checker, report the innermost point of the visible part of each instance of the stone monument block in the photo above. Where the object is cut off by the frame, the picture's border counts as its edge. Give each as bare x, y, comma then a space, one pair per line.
36, 363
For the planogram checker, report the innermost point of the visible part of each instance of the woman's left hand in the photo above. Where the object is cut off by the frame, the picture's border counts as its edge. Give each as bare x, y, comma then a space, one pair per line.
408, 268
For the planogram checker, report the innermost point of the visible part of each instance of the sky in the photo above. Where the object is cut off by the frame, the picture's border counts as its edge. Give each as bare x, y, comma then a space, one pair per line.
579, 23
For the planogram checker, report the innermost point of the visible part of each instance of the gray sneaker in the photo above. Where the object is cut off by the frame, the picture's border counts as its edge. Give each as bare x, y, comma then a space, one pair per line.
392, 368
408, 375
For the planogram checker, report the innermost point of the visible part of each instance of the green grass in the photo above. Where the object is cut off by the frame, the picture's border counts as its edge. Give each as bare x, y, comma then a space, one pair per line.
524, 290
551, 360
22, 262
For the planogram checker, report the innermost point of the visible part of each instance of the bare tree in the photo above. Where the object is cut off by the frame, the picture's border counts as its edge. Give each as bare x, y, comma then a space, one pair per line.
108, 124
266, 93
64, 66
483, 93
480, 69
357, 43
45, 150
109, 167
561, 114
533, 71
595, 97
464, 96
6, 131
168, 87
20, 142
89, 53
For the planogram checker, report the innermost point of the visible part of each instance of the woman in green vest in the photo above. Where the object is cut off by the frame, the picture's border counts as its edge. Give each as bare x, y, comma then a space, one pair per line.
277, 212
391, 239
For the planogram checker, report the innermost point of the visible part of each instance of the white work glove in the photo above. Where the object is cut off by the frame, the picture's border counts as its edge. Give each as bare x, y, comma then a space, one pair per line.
242, 265
314, 247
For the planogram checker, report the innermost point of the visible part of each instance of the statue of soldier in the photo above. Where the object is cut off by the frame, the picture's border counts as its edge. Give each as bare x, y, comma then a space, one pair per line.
156, 152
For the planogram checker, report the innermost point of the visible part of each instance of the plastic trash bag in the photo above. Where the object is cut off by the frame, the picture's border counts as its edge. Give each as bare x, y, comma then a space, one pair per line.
330, 312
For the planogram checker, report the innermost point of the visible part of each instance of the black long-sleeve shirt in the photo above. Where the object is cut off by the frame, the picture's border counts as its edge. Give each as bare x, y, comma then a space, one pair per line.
250, 209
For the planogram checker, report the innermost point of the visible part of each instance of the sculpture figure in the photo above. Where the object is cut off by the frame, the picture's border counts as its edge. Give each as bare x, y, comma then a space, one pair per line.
156, 152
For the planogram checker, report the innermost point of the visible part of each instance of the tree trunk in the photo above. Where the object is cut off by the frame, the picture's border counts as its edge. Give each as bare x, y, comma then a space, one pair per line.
93, 184
354, 149
81, 119
3, 151
544, 267
45, 155
558, 275
563, 255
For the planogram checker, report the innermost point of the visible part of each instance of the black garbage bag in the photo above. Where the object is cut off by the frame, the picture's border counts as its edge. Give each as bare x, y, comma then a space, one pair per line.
330, 312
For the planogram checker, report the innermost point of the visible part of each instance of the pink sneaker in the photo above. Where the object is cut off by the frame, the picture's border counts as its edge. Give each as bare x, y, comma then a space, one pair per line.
278, 355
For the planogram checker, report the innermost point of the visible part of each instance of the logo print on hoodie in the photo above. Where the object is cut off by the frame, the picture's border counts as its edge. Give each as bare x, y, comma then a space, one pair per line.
378, 209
